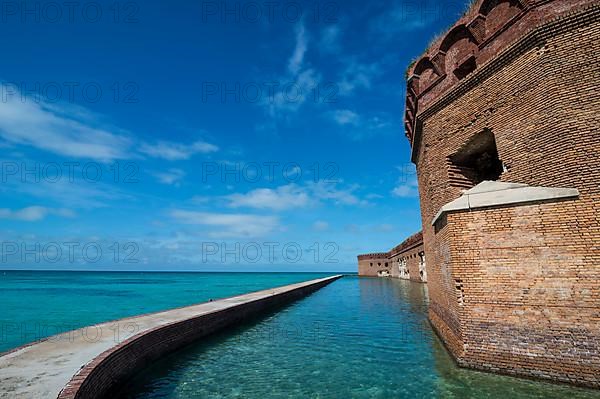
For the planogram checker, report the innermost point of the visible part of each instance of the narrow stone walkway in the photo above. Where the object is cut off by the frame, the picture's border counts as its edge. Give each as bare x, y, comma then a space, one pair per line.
42, 369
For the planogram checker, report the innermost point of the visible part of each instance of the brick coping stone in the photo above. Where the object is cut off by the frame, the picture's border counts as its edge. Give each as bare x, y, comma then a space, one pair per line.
58, 365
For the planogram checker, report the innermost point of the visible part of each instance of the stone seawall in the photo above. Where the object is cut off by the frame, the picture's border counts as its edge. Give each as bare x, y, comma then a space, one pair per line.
95, 367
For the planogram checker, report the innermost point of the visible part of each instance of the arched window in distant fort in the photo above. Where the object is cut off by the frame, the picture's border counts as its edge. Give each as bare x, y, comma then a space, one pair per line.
402, 269
422, 269
477, 160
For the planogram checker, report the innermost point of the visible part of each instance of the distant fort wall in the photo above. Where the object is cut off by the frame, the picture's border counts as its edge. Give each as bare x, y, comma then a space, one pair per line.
510, 95
405, 261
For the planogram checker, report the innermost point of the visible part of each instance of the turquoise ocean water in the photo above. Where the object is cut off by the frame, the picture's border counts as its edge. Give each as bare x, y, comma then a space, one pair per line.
356, 338
35, 305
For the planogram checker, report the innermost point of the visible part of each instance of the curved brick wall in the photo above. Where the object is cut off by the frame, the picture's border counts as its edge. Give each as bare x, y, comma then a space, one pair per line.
102, 377
515, 289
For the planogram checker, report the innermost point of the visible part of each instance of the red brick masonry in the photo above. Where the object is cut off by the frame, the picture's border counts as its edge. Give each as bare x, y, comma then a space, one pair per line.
510, 94
406, 260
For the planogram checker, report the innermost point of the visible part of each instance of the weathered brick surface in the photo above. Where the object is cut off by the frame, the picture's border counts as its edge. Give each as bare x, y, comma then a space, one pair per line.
403, 261
515, 289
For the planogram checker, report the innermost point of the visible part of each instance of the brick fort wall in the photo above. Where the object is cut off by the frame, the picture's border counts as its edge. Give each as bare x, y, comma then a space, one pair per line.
513, 289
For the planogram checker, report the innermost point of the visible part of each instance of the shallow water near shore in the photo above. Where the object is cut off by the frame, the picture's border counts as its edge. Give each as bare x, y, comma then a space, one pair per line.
36, 305
355, 338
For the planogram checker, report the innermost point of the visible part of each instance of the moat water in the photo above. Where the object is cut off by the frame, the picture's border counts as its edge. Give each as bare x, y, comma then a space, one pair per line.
356, 338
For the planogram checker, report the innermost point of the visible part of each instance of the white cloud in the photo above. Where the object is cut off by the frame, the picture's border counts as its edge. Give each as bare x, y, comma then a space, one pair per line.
345, 117
405, 17
231, 225
357, 127
297, 59
279, 199
177, 151
295, 87
34, 213
75, 131
329, 191
292, 93
406, 190
293, 196
59, 129
320, 225
75, 194
407, 185
358, 75
170, 177
384, 228
330, 37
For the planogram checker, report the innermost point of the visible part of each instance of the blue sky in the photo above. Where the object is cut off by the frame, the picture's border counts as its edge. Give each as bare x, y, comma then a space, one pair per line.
207, 135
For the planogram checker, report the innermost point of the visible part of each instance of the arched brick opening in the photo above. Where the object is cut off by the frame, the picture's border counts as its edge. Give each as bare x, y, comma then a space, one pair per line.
460, 49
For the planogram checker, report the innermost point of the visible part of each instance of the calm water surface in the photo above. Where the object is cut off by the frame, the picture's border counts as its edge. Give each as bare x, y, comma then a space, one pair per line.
39, 304
356, 338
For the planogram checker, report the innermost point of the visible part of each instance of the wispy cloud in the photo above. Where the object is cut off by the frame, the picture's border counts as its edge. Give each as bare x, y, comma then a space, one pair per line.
407, 16
293, 196
407, 185
77, 194
357, 75
358, 127
281, 198
296, 85
330, 39
73, 131
297, 59
320, 225
331, 192
60, 130
170, 177
384, 228
229, 225
345, 117
407, 189
34, 213
172, 151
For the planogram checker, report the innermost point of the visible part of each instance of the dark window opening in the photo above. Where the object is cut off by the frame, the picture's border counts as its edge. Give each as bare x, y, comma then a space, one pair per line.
460, 292
386, 264
465, 68
476, 161
440, 223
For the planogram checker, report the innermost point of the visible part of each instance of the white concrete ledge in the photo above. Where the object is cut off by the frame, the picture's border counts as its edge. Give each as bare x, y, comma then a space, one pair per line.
493, 193
89, 362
